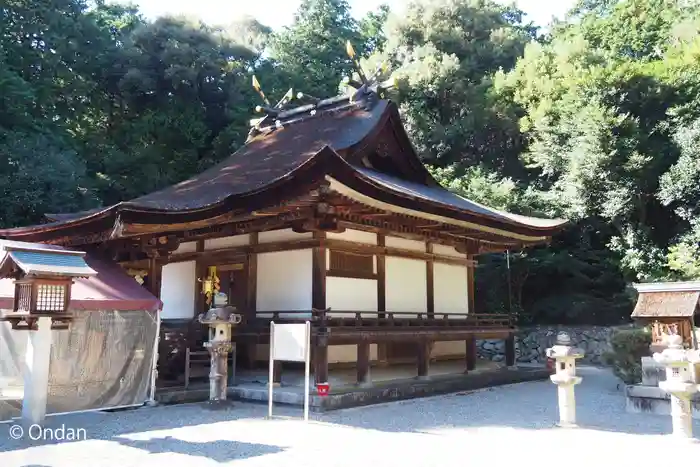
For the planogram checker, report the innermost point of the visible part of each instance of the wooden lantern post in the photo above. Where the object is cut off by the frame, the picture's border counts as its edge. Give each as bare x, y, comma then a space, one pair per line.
43, 278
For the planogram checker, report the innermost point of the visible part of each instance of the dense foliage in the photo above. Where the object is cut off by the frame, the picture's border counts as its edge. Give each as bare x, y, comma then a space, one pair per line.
598, 120
628, 346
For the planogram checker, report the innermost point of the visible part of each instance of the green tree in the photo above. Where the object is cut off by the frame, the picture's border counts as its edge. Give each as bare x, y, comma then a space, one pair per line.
444, 54
311, 52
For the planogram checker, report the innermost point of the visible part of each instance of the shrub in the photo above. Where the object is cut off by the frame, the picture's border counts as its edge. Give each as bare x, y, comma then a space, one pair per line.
628, 348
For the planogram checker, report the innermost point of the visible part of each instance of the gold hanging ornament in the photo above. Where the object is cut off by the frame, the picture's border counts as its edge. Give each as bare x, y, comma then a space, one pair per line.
211, 285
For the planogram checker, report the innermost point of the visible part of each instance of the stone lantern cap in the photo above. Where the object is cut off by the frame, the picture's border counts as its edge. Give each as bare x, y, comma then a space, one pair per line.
563, 349
220, 315
675, 354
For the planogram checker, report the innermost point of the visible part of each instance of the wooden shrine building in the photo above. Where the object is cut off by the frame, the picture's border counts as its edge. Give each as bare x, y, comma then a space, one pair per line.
325, 213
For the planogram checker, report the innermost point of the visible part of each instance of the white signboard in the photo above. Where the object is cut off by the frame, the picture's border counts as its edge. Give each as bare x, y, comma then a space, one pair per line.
290, 343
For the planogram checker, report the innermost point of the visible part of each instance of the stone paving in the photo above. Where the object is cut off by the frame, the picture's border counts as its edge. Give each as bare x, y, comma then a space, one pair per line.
499, 426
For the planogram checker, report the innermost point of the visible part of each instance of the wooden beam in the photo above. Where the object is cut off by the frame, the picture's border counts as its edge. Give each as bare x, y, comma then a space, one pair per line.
423, 358
470, 353
318, 302
430, 281
200, 272
155, 269
251, 301
220, 254
470, 284
342, 336
381, 295
363, 371
366, 248
510, 350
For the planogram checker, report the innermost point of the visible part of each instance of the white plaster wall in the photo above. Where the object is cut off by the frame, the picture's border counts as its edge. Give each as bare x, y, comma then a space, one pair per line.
350, 294
447, 251
284, 281
187, 247
282, 235
226, 242
406, 288
357, 236
177, 290
397, 242
450, 285
449, 349
348, 353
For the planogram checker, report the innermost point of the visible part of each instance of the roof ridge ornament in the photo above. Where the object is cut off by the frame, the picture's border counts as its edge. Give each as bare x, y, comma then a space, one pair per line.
367, 93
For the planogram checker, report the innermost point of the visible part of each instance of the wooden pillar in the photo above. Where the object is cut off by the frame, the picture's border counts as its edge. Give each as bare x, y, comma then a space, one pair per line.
318, 302
510, 350
423, 359
430, 282
250, 353
155, 269
363, 369
200, 272
470, 285
471, 353
381, 297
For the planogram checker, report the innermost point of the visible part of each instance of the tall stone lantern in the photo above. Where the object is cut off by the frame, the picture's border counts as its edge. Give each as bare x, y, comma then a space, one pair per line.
220, 321
565, 377
679, 384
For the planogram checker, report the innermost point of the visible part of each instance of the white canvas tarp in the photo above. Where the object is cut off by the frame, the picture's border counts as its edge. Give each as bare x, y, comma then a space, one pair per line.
103, 361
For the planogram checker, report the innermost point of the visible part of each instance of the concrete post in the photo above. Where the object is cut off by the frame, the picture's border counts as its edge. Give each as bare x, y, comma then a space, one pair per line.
565, 377
679, 384
36, 375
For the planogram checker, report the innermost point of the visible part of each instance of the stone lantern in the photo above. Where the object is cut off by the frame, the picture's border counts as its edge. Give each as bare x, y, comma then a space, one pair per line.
220, 321
565, 377
679, 384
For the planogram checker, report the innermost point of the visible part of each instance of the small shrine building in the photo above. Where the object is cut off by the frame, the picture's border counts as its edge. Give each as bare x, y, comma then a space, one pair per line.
326, 213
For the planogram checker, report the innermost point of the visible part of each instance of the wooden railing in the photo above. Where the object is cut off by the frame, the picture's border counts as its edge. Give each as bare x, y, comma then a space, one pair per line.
383, 319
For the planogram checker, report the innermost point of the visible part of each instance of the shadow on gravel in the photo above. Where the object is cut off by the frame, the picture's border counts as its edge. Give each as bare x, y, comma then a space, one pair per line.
108, 426
528, 406
219, 451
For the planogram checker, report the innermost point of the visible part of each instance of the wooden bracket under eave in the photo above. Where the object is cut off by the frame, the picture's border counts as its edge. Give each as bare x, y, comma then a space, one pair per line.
321, 224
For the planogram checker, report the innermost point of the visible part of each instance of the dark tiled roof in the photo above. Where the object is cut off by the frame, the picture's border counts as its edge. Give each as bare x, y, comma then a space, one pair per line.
267, 158
447, 198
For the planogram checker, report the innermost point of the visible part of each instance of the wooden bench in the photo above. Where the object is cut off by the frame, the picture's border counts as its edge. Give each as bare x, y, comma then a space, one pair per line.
198, 362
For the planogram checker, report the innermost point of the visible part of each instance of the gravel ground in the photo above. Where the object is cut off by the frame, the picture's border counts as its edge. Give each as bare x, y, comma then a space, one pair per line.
502, 425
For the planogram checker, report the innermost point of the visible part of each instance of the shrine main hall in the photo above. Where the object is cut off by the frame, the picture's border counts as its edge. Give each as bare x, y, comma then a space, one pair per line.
325, 214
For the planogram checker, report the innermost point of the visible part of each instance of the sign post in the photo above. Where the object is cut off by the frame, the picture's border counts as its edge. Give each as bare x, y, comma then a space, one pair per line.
290, 343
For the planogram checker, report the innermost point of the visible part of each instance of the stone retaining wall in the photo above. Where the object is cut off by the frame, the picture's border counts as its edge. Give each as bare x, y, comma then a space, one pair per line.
531, 343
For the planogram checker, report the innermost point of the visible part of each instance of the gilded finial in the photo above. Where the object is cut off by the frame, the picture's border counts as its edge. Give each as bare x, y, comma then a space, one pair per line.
353, 58
256, 86
288, 96
350, 50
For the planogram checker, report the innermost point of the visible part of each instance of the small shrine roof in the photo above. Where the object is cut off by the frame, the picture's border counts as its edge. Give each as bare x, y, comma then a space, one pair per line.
667, 300
35, 259
107, 287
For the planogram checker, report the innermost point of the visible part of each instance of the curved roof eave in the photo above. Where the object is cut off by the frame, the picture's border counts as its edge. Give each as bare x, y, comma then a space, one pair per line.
360, 186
